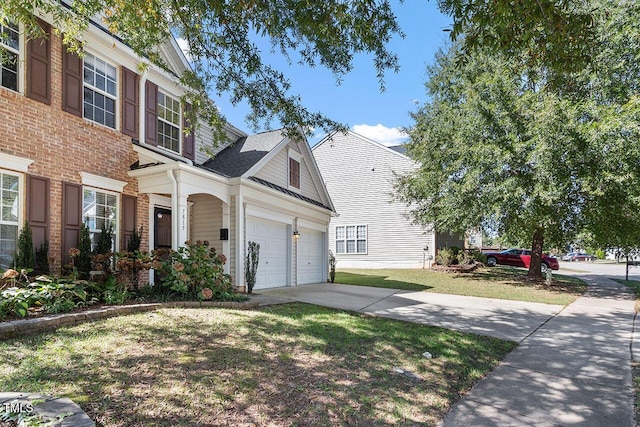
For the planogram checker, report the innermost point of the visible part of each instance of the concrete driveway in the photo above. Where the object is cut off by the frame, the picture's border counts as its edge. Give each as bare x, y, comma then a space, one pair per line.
510, 320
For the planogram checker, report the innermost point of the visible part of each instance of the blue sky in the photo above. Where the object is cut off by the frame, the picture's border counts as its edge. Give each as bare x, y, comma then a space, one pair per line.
357, 101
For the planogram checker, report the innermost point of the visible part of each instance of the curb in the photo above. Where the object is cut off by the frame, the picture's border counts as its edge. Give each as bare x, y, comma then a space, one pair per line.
16, 328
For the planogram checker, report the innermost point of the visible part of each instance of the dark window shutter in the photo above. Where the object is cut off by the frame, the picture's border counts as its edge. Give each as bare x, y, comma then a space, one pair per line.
129, 103
39, 67
129, 216
188, 141
71, 218
38, 203
151, 116
71, 82
294, 173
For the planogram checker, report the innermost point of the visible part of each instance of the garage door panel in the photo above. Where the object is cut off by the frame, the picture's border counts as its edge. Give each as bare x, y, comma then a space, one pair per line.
310, 257
272, 264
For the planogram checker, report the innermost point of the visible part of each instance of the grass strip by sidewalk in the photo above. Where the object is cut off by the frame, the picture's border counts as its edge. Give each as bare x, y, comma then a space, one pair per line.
496, 282
293, 364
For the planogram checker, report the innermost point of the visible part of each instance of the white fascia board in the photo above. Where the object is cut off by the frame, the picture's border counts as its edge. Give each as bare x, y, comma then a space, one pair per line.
102, 182
269, 196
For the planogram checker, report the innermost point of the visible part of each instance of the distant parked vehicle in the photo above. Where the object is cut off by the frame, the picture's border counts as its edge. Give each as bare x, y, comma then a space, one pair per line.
583, 257
520, 258
567, 257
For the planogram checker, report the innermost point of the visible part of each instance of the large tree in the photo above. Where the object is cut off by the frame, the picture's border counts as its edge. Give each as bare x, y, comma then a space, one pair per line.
503, 145
221, 37
498, 152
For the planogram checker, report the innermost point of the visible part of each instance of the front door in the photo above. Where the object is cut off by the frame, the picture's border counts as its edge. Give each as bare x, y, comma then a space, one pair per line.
161, 235
162, 228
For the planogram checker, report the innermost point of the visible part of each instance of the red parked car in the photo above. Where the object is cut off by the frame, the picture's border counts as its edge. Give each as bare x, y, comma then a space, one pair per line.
520, 258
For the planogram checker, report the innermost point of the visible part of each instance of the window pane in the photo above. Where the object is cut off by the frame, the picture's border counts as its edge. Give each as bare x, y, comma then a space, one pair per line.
362, 246
351, 232
340, 233
362, 232
351, 246
340, 246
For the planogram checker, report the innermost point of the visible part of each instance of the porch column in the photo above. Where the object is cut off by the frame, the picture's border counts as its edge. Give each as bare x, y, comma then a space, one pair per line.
240, 248
226, 244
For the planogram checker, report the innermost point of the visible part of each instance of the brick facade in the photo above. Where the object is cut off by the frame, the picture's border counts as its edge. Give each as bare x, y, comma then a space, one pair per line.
62, 145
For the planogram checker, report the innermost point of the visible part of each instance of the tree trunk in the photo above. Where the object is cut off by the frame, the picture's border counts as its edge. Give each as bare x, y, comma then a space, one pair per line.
535, 269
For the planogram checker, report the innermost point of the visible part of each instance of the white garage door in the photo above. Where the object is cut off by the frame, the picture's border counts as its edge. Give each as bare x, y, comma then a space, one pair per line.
310, 257
272, 265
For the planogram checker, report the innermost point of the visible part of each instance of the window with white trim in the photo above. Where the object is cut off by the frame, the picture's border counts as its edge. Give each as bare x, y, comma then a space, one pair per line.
100, 91
351, 239
9, 56
10, 197
100, 209
168, 122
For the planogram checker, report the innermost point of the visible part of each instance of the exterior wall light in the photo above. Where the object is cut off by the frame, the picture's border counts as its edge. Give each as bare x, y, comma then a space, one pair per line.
296, 235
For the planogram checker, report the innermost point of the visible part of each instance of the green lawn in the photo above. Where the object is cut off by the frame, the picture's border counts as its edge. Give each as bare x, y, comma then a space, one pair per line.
285, 365
496, 282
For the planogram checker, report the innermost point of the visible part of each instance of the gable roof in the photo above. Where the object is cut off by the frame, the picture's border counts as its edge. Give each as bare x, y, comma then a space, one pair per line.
239, 157
397, 150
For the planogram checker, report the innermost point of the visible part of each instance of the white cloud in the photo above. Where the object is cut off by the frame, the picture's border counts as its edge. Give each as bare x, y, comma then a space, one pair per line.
382, 134
184, 47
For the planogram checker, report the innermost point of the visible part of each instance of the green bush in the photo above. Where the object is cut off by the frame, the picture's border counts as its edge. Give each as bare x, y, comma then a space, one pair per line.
25, 256
447, 256
192, 269
600, 254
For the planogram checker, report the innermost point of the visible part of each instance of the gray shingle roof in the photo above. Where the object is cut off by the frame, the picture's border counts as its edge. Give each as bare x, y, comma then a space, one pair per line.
242, 155
402, 149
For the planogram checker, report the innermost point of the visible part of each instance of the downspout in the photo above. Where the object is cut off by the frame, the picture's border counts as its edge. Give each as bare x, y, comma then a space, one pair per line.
174, 210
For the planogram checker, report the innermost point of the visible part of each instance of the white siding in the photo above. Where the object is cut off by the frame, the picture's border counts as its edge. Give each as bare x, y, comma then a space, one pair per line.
276, 171
359, 176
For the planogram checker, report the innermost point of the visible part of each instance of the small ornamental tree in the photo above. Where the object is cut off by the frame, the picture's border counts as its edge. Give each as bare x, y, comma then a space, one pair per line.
332, 267
83, 260
251, 265
25, 256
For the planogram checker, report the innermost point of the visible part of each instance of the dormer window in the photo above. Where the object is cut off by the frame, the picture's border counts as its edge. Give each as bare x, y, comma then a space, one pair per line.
168, 122
10, 45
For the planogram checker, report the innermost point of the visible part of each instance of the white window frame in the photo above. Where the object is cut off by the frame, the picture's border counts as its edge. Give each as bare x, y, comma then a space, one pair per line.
116, 225
19, 61
102, 92
355, 239
163, 120
19, 202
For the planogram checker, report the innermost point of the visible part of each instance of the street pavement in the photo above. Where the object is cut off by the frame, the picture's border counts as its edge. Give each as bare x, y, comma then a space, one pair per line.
572, 366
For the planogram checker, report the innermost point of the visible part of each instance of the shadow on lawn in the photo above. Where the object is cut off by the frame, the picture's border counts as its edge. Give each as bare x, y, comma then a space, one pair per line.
378, 282
286, 365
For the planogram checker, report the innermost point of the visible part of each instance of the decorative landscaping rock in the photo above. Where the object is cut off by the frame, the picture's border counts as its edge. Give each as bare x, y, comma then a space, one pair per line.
50, 408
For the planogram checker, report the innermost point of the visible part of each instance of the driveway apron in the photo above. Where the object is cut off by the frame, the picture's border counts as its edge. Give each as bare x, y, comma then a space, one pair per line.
573, 370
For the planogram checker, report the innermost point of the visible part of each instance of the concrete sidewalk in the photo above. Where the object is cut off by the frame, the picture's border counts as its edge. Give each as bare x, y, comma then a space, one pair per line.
574, 370
510, 320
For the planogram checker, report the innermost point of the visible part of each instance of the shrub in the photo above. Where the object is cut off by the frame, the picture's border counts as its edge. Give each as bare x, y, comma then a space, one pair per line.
42, 258
251, 265
134, 241
83, 260
332, 267
25, 256
194, 267
447, 256
600, 254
